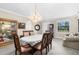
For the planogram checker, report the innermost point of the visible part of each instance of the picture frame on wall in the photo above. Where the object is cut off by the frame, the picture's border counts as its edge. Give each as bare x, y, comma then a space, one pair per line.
21, 25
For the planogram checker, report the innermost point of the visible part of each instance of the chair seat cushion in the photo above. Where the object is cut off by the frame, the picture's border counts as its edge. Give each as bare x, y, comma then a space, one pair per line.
38, 46
26, 46
23, 49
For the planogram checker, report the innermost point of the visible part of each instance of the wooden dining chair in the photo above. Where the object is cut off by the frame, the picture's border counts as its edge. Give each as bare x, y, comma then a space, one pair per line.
25, 33
42, 45
50, 37
18, 48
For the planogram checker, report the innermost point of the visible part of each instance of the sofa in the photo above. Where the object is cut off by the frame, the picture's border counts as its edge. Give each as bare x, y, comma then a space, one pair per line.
71, 41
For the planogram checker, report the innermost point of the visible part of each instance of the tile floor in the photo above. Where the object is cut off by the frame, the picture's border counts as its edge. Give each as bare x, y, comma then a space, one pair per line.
57, 49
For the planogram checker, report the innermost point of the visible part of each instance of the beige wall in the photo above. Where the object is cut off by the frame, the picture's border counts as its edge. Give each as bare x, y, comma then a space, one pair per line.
29, 26
73, 26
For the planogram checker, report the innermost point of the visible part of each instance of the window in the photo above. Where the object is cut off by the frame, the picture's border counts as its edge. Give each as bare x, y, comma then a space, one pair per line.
63, 25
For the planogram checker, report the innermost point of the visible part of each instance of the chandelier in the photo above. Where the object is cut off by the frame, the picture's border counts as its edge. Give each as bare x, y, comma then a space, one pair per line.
35, 16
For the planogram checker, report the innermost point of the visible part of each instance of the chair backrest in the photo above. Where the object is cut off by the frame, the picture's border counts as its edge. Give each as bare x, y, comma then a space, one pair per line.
50, 37
25, 33
44, 40
16, 42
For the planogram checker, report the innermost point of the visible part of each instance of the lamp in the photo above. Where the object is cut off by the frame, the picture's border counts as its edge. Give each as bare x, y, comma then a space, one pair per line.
35, 17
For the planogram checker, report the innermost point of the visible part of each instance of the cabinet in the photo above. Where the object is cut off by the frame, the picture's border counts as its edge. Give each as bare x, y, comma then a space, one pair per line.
6, 26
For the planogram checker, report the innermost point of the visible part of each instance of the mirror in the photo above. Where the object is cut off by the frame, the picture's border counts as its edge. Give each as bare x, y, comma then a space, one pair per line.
37, 27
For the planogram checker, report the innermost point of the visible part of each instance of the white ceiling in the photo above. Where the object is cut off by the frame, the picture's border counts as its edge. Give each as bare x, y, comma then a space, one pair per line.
47, 11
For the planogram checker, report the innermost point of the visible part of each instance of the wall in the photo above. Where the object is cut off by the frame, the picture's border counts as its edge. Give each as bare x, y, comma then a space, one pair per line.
73, 26
73, 20
29, 26
19, 18
45, 26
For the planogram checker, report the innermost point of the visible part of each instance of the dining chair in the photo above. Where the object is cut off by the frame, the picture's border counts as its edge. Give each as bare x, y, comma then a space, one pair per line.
25, 34
50, 38
42, 44
22, 50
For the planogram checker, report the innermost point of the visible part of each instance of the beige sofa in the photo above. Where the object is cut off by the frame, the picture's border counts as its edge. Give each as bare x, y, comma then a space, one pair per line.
71, 42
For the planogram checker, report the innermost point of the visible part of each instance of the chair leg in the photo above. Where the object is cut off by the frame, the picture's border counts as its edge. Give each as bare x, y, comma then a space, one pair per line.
15, 52
41, 52
51, 46
33, 50
46, 50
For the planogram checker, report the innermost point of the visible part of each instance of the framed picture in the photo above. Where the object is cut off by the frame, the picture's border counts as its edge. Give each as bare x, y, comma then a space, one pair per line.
21, 25
63, 25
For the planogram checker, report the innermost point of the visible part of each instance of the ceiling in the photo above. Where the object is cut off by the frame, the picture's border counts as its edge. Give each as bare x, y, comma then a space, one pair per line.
47, 11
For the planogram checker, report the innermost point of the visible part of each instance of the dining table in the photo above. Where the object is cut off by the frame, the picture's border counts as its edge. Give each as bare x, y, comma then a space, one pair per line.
32, 40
